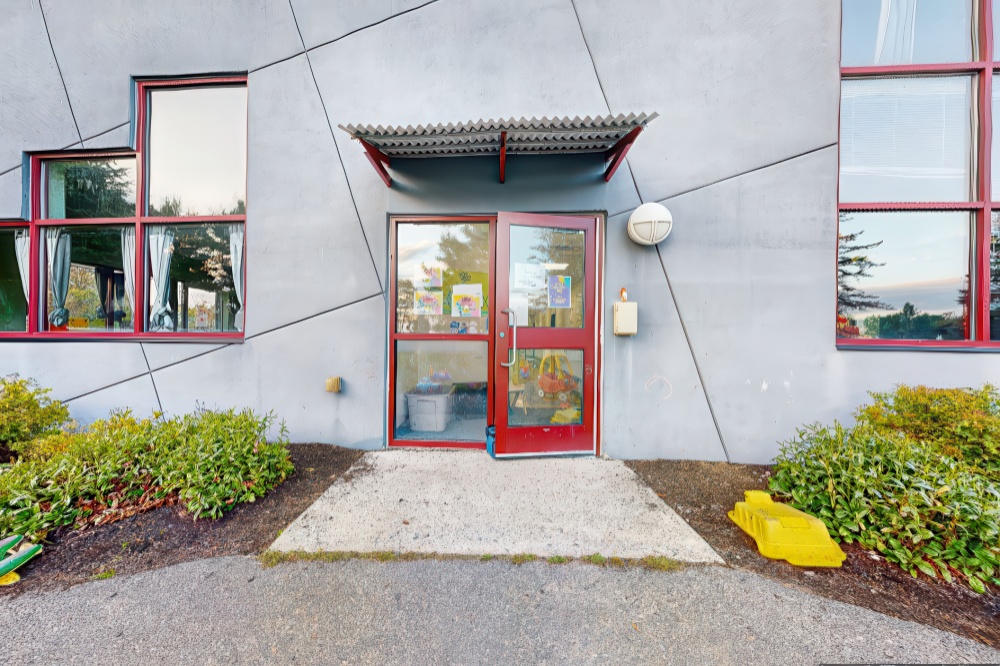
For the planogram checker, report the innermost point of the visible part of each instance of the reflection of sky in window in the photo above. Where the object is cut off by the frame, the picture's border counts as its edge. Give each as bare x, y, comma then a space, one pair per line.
417, 245
198, 148
906, 139
925, 257
898, 32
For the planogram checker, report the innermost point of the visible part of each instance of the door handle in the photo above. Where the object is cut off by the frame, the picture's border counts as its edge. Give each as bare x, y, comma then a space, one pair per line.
512, 352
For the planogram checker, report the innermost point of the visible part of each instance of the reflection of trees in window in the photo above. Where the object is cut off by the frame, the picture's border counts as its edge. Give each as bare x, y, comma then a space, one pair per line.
464, 251
201, 257
911, 324
854, 264
95, 188
564, 248
173, 207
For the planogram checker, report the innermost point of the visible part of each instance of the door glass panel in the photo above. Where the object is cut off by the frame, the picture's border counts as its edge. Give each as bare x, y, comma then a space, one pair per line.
443, 278
547, 276
441, 390
546, 388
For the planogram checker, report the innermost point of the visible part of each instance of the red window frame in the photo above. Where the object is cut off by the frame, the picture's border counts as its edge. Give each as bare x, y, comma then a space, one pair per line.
394, 336
36, 223
983, 70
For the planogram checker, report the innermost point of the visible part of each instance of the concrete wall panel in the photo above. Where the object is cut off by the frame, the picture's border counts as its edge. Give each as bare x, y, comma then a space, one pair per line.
738, 85
73, 368
10, 194
101, 43
137, 394
285, 371
34, 112
306, 251
322, 21
654, 404
162, 354
113, 138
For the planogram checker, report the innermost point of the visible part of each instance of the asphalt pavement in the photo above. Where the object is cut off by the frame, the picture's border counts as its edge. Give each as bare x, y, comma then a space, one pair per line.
232, 611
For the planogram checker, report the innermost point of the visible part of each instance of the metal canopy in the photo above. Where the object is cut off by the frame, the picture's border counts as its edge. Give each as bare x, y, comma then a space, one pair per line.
611, 135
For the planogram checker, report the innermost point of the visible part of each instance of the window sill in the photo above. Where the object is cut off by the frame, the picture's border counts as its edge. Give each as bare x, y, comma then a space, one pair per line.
849, 344
229, 338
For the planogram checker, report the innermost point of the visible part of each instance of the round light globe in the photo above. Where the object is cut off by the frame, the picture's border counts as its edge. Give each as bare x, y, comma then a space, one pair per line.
649, 224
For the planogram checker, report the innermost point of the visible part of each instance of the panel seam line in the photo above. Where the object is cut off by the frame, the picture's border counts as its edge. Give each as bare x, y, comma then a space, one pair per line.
694, 358
152, 381
55, 59
336, 147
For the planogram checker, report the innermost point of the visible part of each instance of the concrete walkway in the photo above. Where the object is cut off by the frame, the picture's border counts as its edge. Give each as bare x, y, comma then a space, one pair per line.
464, 502
231, 611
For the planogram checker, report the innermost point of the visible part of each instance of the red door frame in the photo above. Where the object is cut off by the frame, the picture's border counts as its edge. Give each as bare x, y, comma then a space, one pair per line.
593, 310
548, 439
394, 336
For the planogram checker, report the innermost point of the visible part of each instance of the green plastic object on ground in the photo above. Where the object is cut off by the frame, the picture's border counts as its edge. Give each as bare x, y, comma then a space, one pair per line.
784, 533
8, 563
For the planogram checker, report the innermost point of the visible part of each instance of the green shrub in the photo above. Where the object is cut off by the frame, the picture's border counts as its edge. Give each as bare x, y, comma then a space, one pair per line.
960, 423
26, 412
208, 461
923, 510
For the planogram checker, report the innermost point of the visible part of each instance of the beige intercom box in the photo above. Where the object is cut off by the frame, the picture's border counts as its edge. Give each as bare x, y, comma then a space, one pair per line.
626, 318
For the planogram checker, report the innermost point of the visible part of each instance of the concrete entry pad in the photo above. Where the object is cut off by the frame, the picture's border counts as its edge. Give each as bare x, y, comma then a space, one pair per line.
465, 503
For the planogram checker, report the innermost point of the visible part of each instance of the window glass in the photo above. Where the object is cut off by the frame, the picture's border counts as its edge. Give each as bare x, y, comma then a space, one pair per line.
443, 278
995, 276
547, 388
195, 277
441, 390
904, 275
89, 188
89, 278
14, 259
907, 139
903, 32
197, 151
995, 153
547, 276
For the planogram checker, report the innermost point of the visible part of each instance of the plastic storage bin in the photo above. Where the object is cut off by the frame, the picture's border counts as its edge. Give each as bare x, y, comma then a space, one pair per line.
429, 413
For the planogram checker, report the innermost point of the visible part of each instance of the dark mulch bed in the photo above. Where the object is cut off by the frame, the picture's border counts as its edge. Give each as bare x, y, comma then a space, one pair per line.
702, 493
167, 536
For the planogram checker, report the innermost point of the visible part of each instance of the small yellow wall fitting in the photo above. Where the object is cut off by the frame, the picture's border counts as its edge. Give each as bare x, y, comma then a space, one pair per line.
333, 384
784, 533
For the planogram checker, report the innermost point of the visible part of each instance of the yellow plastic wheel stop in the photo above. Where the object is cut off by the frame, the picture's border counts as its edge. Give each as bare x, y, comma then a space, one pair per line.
9, 579
785, 533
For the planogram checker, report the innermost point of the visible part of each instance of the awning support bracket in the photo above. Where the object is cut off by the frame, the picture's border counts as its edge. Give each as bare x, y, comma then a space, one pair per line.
616, 153
378, 160
503, 156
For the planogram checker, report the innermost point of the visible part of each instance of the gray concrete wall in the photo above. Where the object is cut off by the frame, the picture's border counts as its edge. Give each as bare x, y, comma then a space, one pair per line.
736, 342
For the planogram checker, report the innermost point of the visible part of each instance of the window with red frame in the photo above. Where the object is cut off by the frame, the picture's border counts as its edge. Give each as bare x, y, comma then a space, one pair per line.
918, 256
147, 243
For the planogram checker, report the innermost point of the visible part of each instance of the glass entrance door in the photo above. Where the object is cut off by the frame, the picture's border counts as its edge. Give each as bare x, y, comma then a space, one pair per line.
545, 335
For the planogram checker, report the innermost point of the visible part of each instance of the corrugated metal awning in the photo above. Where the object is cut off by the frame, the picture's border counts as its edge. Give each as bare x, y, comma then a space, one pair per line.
611, 135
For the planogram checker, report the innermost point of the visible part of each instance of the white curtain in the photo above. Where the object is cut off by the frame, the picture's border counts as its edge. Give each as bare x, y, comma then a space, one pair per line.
22, 252
58, 247
128, 263
236, 254
161, 248
896, 22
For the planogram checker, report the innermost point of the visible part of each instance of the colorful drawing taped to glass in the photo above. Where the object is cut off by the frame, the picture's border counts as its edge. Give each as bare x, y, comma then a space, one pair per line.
466, 305
560, 291
427, 303
427, 277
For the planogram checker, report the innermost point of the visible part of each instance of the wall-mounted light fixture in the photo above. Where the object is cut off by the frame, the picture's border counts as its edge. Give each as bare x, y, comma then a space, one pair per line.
649, 224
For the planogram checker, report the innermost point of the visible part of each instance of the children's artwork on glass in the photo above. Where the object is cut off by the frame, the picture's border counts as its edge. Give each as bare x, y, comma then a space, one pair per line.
427, 303
427, 277
467, 300
560, 291
466, 305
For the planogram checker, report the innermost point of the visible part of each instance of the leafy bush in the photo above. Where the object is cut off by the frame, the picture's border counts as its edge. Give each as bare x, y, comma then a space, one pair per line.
26, 412
960, 423
209, 461
923, 510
